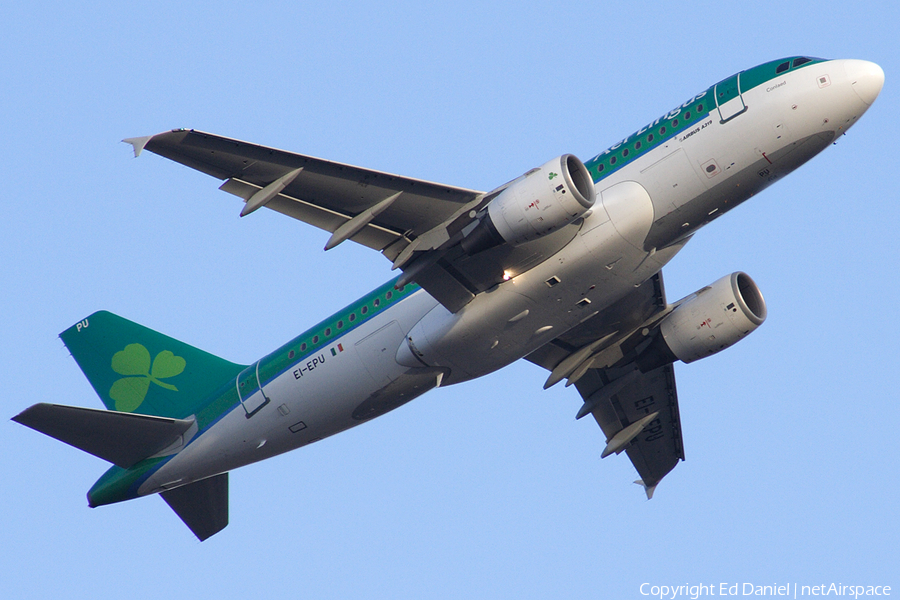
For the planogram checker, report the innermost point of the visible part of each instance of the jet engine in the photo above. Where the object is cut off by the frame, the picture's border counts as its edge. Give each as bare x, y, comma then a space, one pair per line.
540, 202
706, 322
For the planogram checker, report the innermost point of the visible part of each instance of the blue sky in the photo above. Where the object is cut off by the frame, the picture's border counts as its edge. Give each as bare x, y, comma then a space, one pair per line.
488, 489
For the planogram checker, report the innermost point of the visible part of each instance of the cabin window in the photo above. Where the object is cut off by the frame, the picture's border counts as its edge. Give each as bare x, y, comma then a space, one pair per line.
649, 138
352, 317
699, 108
612, 161
291, 354
687, 116
662, 131
327, 331
315, 339
783, 67
340, 325
801, 61
675, 123
376, 303
600, 167
637, 145
303, 347
389, 295
624, 152
364, 309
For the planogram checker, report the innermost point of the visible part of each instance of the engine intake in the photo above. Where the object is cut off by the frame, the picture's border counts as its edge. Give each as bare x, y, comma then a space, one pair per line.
542, 201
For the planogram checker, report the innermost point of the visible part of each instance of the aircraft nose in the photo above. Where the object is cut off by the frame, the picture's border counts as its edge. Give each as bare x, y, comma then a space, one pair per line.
866, 78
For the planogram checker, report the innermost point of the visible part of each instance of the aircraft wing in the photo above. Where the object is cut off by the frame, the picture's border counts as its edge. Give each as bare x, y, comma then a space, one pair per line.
638, 412
416, 224
323, 193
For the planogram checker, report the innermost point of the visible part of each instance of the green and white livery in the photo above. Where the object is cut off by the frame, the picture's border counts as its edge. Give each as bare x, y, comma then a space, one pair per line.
561, 267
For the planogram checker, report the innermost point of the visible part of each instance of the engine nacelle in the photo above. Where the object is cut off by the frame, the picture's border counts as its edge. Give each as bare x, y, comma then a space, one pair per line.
714, 318
540, 202
707, 322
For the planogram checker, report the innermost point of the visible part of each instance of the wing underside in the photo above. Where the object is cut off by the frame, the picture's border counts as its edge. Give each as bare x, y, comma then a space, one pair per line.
416, 224
323, 193
637, 412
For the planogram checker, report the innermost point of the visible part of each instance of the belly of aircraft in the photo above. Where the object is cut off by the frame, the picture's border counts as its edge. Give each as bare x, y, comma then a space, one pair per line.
604, 261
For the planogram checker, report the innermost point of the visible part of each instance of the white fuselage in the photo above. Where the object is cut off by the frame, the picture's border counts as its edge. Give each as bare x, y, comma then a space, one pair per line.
644, 214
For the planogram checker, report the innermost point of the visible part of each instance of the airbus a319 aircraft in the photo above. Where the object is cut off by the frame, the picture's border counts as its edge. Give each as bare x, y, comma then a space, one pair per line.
560, 266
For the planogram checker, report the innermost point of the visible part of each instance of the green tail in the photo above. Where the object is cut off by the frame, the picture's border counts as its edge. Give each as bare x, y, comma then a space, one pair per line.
135, 369
164, 383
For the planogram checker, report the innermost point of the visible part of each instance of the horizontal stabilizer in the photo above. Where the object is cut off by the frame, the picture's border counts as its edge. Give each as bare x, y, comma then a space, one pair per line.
123, 439
202, 505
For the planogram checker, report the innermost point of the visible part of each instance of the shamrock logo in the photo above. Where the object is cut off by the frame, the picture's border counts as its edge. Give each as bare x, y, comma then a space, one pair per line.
552, 176
134, 362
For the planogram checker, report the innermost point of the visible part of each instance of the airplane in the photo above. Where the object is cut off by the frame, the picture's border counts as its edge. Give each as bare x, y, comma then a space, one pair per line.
560, 266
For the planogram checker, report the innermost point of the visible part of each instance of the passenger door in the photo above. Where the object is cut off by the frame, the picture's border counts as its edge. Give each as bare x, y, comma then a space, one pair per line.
729, 100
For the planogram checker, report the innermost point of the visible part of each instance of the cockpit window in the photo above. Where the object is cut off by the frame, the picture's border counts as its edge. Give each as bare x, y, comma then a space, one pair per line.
801, 61
783, 67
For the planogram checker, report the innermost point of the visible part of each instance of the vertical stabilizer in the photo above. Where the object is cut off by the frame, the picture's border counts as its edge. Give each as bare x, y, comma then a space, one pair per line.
135, 369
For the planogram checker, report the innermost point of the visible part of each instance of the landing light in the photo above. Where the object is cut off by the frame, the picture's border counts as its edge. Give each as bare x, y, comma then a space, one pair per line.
507, 275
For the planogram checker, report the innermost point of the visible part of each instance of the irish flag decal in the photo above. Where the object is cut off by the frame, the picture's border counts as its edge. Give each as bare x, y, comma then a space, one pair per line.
336, 349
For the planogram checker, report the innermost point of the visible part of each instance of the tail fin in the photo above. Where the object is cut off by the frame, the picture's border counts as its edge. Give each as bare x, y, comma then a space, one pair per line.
135, 369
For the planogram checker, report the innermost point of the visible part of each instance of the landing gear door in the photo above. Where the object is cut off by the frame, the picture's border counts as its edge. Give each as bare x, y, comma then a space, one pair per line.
729, 100
250, 392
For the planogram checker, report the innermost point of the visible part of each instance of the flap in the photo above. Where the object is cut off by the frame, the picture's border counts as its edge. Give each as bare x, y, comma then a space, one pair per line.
418, 225
658, 447
638, 412
324, 193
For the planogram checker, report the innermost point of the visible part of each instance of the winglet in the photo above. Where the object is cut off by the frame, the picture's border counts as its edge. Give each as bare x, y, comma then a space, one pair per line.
138, 143
648, 489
